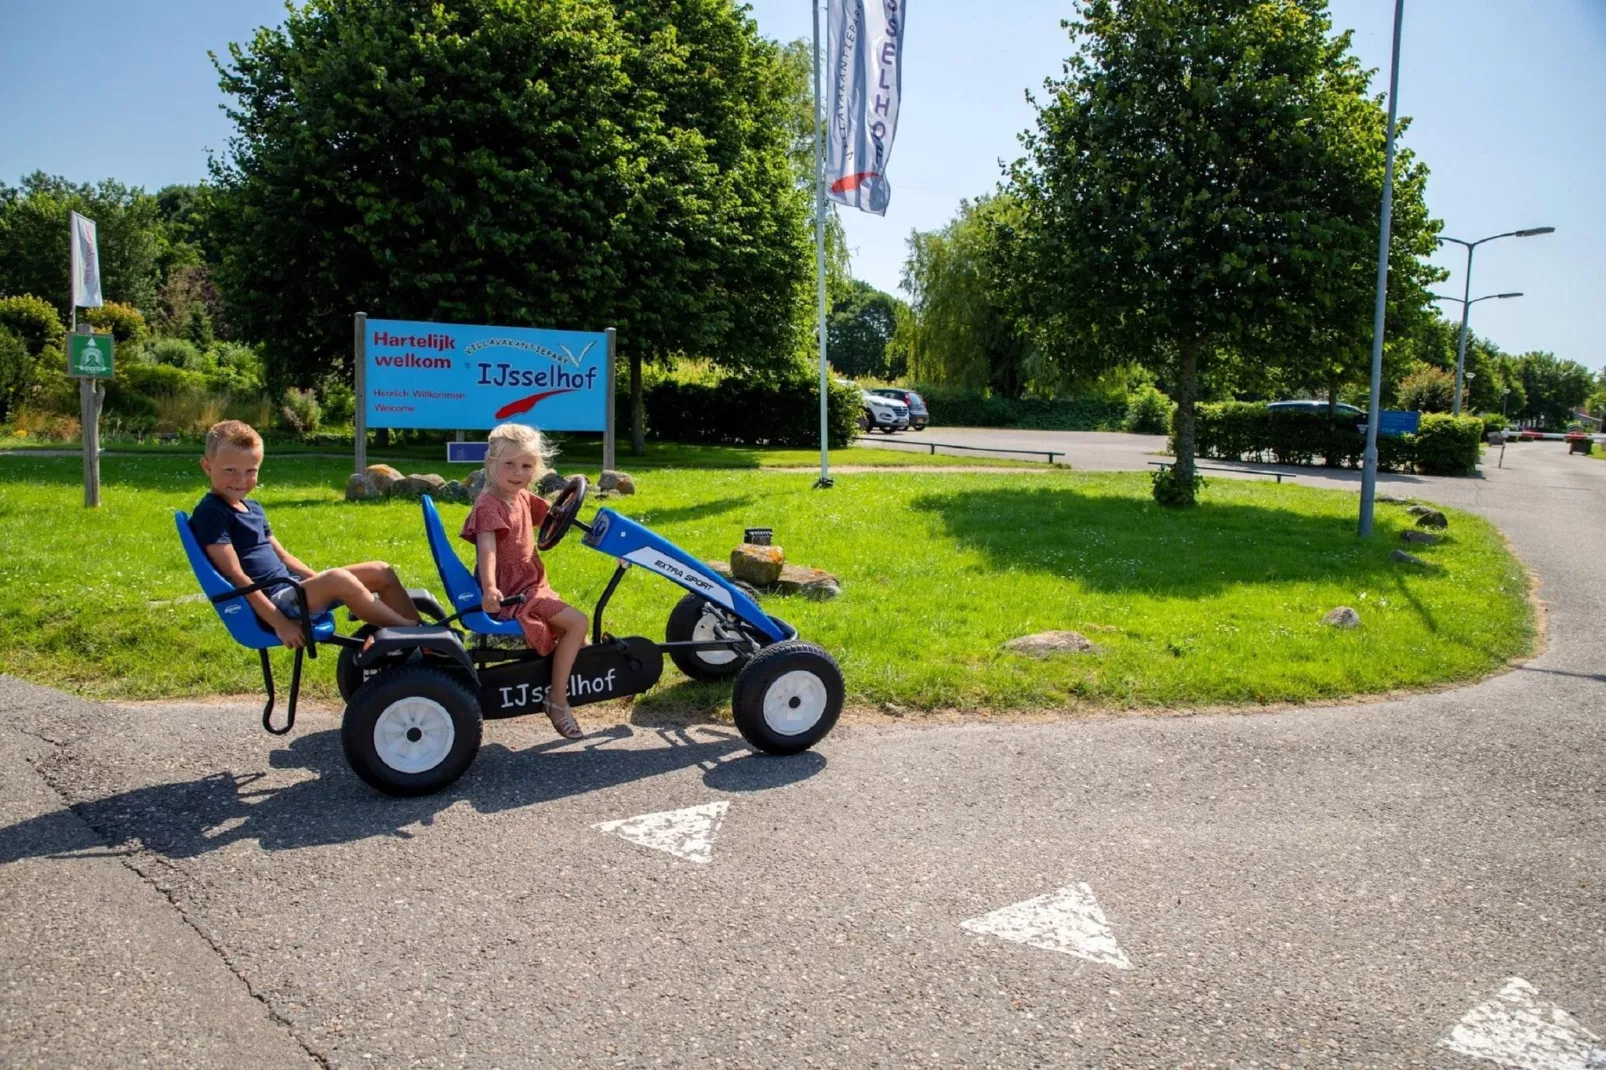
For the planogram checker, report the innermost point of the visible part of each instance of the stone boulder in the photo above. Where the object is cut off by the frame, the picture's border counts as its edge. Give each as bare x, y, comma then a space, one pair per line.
1342, 617
815, 584
759, 565
416, 485
1409, 559
616, 483
551, 483
382, 476
454, 491
1419, 536
1047, 644
1430, 518
360, 488
475, 482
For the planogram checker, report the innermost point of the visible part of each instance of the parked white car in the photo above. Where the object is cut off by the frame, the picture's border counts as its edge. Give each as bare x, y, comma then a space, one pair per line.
883, 413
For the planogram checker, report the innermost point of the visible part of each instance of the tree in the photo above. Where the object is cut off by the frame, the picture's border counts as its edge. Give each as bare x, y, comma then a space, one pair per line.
561, 163
1554, 389
964, 333
1428, 389
1203, 187
35, 252
858, 330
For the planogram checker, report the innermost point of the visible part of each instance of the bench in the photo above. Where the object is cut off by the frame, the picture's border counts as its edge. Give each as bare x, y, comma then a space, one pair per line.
1279, 476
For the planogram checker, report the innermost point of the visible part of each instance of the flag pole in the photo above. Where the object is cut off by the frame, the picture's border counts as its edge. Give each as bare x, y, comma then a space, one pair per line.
819, 251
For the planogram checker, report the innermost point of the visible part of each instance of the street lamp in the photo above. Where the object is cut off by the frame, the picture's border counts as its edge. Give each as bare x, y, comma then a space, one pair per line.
1461, 349
1461, 346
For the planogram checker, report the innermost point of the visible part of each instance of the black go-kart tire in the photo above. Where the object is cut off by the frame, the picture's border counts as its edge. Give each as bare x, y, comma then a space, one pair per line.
692, 619
411, 730
787, 697
348, 678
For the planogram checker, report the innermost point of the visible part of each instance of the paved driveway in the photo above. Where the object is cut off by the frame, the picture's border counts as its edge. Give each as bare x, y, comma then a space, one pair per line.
1405, 883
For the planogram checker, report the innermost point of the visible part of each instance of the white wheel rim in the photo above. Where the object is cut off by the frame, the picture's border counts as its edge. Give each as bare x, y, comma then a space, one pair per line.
704, 633
414, 735
795, 702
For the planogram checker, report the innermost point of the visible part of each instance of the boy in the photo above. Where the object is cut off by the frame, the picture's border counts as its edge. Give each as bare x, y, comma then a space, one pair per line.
238, 539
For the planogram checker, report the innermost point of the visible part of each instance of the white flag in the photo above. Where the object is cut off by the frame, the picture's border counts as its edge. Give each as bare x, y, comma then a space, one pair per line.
865, 64
85, 264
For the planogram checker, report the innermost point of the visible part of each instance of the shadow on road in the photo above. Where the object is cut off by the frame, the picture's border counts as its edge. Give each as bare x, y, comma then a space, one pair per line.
184, 819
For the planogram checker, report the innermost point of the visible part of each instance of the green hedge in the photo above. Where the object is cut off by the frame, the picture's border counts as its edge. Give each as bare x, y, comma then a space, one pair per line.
742, 413
1247, 431
955, 408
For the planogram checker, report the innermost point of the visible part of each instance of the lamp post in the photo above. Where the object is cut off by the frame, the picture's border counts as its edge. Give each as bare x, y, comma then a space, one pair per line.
1461, 346
1470, 376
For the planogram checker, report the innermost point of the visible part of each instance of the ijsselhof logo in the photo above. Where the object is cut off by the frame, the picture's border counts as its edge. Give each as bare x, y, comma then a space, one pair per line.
842, 185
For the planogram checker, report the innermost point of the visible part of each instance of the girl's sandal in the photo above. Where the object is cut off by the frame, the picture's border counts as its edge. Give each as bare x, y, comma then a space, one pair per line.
562, 719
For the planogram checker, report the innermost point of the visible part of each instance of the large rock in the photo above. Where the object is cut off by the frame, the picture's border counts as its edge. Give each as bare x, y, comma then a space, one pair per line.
616, 482
1409, 559
551, 483
815, 584
1431, 518
1419, 536
382, 475
758, 565
455, 492
416, 485
360, 487
475, 483
1342, 617
1047, 644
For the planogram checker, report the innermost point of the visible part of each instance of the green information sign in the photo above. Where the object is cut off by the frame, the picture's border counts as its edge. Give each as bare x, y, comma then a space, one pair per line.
89, 355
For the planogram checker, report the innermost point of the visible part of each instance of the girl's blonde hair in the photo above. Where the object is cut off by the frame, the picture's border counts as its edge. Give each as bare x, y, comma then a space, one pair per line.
517, 439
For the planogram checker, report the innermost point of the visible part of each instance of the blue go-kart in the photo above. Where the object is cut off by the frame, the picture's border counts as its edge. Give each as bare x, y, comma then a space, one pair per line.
416, 697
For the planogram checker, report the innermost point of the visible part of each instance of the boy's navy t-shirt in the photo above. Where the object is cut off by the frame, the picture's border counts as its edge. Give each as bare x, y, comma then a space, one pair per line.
214, 521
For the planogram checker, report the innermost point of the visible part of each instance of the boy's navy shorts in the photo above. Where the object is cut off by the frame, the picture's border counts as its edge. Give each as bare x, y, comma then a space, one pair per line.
284, 599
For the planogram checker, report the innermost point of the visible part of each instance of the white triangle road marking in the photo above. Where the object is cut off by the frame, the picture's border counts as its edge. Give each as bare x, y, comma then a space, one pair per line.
1516, 1029
687, 833
1069, 921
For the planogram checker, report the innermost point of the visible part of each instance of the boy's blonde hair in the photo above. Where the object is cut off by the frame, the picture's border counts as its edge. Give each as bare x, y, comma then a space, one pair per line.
517, 439
235, 433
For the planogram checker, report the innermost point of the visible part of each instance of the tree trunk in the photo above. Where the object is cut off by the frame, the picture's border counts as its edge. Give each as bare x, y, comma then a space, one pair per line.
638, 409
1187, 391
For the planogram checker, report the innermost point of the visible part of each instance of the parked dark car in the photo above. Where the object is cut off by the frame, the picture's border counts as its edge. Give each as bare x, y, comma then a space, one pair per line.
918, 416
1311, 406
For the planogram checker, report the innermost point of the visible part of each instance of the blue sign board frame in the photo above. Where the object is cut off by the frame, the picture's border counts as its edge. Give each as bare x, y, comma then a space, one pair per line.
473, 377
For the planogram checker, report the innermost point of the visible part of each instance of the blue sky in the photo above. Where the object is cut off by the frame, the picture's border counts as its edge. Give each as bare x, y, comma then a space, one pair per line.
1508, 104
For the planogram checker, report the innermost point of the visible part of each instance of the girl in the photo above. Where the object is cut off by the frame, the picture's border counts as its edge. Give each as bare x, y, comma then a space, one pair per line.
502, 527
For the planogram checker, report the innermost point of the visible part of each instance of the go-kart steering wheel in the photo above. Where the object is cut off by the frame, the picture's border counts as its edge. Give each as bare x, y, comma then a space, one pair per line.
559, 518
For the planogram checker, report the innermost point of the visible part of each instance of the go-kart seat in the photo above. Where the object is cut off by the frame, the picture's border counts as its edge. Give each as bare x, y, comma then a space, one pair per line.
244, 625
462, 589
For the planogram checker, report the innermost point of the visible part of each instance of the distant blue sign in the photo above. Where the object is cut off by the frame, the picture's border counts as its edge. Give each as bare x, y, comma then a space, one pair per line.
1392, 423
453, 375
465, 452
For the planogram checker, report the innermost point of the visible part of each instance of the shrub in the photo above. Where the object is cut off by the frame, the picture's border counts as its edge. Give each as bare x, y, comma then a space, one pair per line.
125, 322
1247, 431
176, 353
340, 405
299, 412
1492, 421
1447, 445
232, 368
28, 422
16, 371
1427, 390
960, 408
188, 413
1148, 412
33, 320
1174, 492
745, 413
157, 380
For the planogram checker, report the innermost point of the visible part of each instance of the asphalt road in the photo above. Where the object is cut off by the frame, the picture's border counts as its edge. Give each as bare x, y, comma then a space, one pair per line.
1325, 886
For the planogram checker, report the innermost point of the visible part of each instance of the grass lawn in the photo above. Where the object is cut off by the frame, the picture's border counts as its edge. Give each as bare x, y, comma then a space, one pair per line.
1220, 604
582, 454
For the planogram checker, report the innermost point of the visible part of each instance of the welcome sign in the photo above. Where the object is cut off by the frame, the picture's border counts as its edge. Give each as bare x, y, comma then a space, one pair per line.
468, 377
